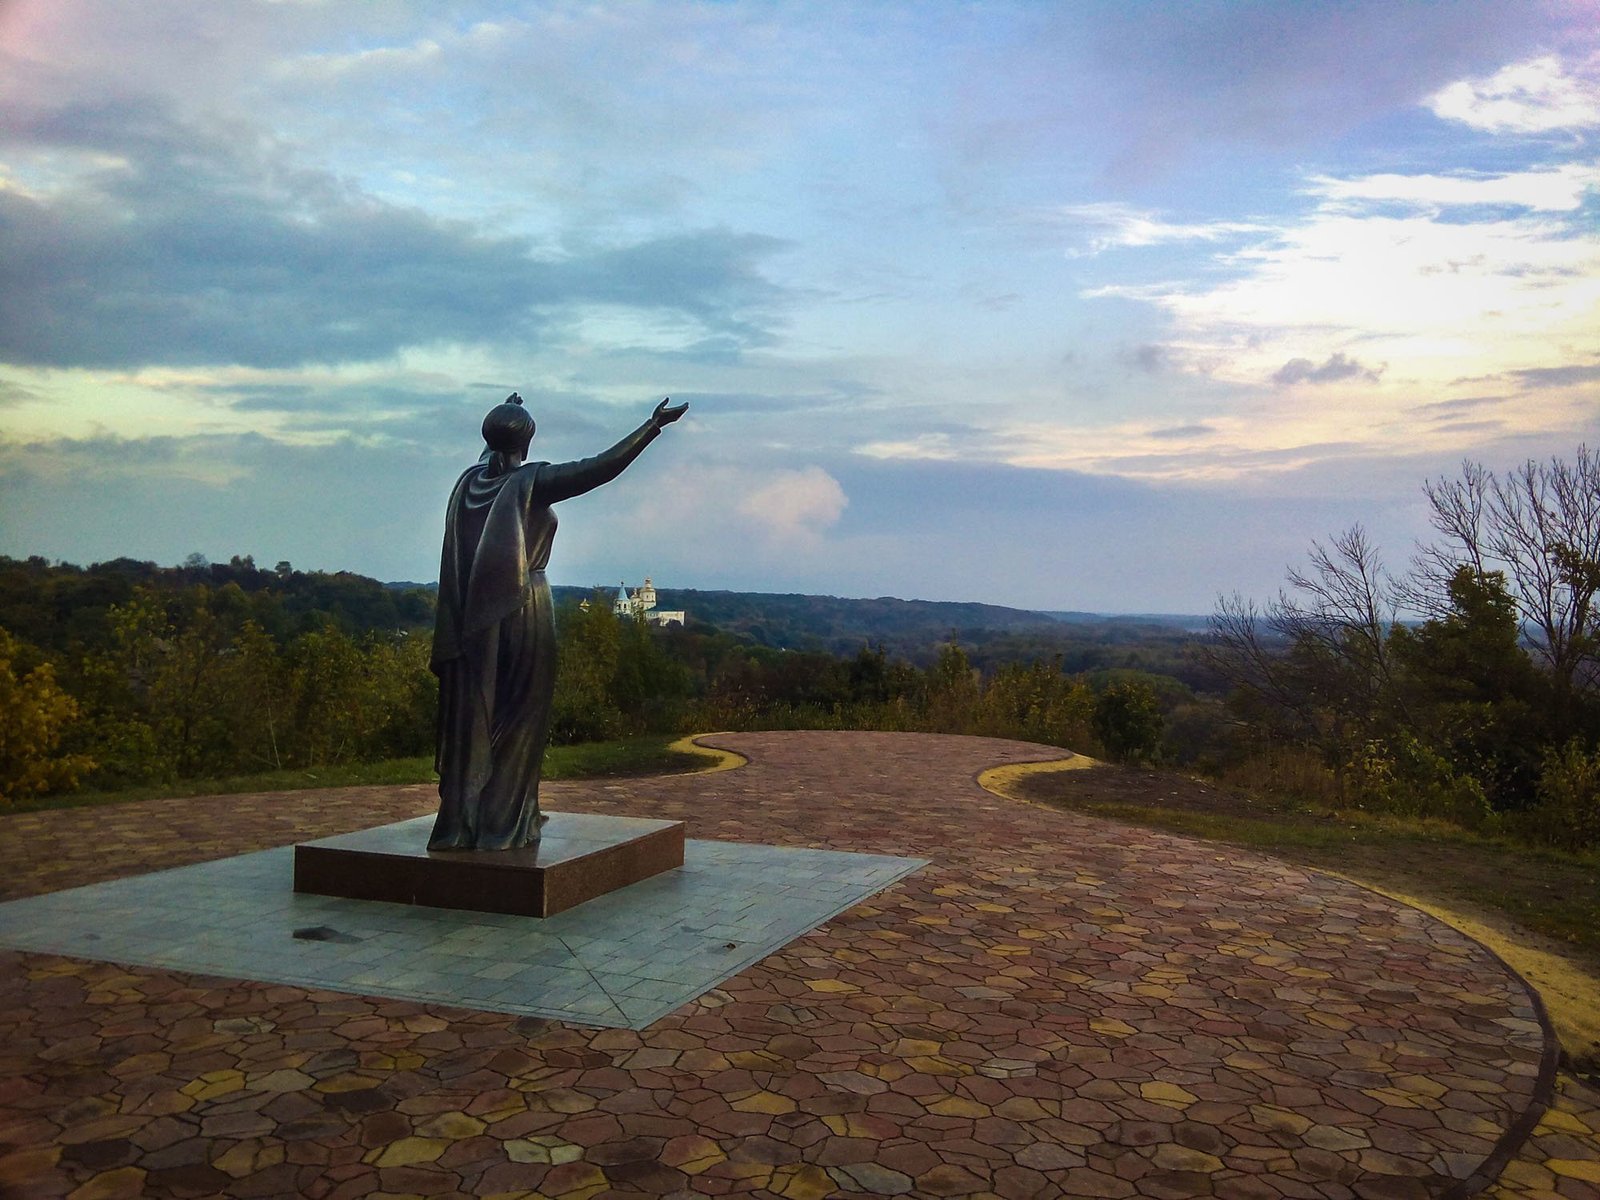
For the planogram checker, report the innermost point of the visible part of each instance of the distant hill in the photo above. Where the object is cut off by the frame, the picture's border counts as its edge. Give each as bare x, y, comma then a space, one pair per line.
794, 621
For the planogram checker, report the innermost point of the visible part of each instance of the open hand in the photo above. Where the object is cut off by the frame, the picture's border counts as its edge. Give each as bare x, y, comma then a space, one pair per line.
666, 416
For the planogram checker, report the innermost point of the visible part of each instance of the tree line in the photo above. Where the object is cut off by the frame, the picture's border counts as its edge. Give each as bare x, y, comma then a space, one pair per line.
1464, 687
200, 672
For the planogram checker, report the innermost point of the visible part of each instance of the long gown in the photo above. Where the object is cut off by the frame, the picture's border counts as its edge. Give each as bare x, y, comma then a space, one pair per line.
494, 644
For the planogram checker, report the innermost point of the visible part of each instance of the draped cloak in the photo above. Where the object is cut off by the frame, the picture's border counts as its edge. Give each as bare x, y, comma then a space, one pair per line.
494, 647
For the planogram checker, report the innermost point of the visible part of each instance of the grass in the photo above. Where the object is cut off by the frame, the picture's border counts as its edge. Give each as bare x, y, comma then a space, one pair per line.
1538, 909
651, 755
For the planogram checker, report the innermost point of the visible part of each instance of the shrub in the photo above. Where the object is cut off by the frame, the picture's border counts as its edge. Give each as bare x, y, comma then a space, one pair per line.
1567, 814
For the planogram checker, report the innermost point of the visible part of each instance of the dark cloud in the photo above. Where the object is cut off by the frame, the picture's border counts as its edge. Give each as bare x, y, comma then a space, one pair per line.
207, 246
1151, 356
1182, 431
1546, 377
1464, 404
1338, 366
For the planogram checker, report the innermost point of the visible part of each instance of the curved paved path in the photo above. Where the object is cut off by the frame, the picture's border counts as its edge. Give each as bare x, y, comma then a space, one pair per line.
1056, 1006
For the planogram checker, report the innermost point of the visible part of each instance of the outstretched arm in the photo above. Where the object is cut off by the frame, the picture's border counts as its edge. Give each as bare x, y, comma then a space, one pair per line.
562, 481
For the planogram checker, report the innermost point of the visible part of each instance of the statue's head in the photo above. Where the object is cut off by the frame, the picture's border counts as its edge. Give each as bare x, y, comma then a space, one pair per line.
509, 427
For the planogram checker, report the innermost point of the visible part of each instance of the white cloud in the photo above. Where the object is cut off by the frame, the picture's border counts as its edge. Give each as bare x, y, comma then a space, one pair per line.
796, 506
934, 447
1555, 189
1536, 96
1111, 224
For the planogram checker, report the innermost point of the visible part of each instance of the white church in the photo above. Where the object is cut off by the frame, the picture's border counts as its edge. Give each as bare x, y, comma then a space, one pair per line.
641, 606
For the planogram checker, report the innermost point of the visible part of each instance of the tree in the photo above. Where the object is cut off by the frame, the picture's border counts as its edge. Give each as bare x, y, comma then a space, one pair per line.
34, 712
1539, 526
1127, 720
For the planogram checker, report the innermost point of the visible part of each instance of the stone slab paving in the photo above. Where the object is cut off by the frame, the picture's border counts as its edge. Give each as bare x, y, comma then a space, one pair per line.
1056, 1005
620, 961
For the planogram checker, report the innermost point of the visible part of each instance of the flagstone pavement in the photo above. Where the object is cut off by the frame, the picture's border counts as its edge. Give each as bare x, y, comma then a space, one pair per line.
1055, 1006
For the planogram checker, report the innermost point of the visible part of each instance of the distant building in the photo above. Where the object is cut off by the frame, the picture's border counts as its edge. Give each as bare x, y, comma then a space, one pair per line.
641, 606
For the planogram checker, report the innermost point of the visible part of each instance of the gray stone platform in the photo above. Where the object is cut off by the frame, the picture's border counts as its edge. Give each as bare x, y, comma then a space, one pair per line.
622, 960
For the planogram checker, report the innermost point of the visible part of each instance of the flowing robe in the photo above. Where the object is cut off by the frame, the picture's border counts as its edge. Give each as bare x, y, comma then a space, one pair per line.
494, 644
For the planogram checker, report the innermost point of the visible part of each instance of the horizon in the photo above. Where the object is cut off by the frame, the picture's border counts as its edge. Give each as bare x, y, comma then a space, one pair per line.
1056, 304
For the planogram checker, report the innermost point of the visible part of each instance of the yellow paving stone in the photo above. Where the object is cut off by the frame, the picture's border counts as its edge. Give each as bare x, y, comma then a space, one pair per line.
911, 1047
958, 1106
1241, 1060
1112, 1027
543, 1149
987, 907
111, 1185
247, 1157
456, 1126
350, 1081
1173, 1157
214, 1083
1393, 1098
692, 1154
1527, 1175
1421, 1085
1005, 951
404, 1061
1554, 1119
803, 1182
1586, 1169
929, 919
1170, 1094
831, 985
758, 1060
1281, 1120
764, 1102
850, 1125
406, 1151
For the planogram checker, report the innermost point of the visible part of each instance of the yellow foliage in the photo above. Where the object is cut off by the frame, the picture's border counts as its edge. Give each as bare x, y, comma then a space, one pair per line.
33, 712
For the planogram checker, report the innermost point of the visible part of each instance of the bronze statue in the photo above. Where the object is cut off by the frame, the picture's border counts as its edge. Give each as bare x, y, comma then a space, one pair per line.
494, 643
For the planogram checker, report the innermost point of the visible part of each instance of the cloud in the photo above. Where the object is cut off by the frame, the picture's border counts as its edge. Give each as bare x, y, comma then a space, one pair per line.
1338, 366
1547, 377
1183, 432
1427, 273
796, 505
1547, 189
179, 243
1112, 224
1152, 357
930, 446
1536, 96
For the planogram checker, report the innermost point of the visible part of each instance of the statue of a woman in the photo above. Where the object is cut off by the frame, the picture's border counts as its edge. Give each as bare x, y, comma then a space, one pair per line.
494, 644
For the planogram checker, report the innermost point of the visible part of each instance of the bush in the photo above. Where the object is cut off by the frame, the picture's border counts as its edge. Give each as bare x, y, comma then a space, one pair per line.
1404, 777
1567, 814
1127, 720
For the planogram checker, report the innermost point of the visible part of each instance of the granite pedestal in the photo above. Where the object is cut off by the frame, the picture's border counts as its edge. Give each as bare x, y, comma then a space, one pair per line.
578, 857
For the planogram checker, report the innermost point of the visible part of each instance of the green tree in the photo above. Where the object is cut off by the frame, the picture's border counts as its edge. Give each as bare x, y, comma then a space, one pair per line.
1127, 720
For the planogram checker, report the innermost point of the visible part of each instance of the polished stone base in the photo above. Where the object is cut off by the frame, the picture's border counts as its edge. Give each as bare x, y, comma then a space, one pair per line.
580, 856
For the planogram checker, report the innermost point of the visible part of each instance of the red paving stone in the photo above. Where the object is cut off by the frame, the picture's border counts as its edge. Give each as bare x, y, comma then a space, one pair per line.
1056, 1006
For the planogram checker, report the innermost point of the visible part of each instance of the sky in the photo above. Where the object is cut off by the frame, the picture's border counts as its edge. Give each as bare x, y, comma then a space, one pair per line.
1097, 306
